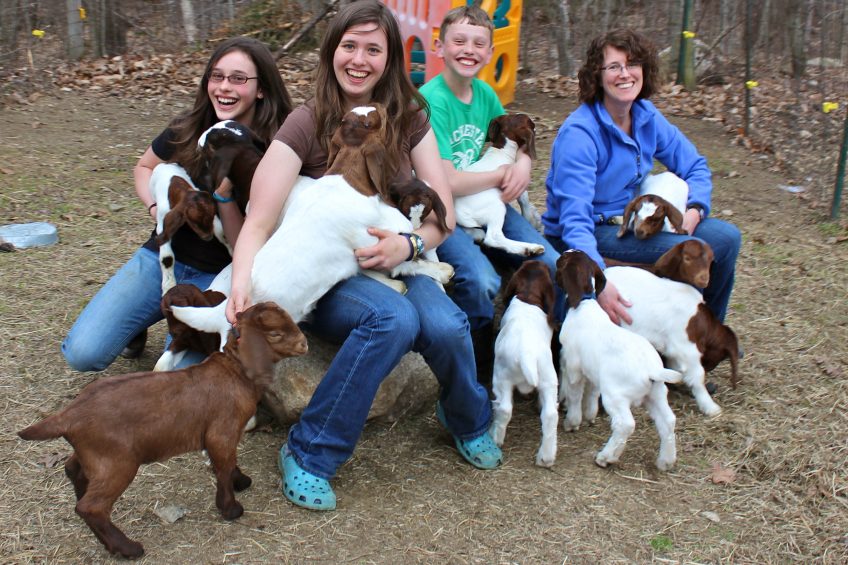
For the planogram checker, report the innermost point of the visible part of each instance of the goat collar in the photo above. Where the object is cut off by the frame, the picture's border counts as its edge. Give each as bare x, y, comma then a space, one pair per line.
588, 296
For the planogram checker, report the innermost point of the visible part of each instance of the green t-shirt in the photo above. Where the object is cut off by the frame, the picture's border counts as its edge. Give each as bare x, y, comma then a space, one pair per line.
461, 128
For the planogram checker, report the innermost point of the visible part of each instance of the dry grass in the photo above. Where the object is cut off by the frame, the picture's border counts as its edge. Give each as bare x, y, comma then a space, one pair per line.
406, 496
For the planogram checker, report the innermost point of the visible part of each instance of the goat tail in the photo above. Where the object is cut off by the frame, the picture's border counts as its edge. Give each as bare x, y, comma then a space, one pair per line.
531, 369
48, 428
667, 376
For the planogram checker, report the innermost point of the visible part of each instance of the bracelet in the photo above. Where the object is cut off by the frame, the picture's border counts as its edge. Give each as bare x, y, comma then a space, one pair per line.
418, 242
408, 237
222, 199
149, 208
699, 208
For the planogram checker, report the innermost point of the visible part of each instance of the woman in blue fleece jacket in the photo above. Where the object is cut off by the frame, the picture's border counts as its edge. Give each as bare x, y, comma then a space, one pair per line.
604, 151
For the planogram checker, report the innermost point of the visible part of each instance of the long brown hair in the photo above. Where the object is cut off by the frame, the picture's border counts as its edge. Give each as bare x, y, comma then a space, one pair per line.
638, 48
394, 90
270, 110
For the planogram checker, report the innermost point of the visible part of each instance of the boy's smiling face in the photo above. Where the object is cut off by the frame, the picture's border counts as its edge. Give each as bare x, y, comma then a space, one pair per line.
466, 48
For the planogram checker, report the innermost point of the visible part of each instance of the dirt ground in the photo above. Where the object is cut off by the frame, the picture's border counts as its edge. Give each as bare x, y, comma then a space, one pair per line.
764, 482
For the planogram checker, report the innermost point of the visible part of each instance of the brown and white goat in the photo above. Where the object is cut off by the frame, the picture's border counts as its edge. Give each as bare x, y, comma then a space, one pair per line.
599, 358
673, 317
232, 151
483, 213
312, 250
179, 203
659, 207
118, 423
184, 337
687, 262
523, 358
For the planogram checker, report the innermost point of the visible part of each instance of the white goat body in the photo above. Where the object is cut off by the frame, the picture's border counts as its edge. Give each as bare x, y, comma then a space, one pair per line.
485, 210
660, 206
523, 361
160, 188
661, 312
599, 358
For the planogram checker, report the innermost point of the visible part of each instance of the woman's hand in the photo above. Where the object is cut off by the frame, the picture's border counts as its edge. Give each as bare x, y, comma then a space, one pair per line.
239, 301
391, 250
614, 304
691, 219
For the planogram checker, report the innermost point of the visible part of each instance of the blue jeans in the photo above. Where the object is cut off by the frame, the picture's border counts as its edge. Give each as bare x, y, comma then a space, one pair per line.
476, 283
376, 326
723, 237
126, 305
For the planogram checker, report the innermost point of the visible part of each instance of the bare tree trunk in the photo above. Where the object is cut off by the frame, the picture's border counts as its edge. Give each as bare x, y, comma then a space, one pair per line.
764, 31
563, 59
75, 46
189, 25
674, 9
797, 47
725, 22
843, 36
10, 21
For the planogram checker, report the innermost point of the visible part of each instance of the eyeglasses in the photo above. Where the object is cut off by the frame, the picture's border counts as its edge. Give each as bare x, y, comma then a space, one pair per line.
616, 68
235, 79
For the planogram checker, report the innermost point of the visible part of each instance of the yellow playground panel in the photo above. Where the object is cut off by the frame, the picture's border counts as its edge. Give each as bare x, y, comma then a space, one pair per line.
419, 24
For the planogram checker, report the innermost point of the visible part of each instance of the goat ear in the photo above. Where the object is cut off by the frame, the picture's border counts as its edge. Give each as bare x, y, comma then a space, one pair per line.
173, 221
669, 262
494, 133
600, 280
375, 162
336, 143
530, 143
675, 218
439, 210
220, 165
509, 291
254, 353
626, 218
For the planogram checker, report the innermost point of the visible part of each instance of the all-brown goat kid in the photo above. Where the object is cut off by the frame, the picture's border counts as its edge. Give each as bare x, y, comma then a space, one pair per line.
118, 423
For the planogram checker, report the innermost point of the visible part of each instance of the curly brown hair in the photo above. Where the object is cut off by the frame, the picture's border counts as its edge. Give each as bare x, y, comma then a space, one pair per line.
638, 48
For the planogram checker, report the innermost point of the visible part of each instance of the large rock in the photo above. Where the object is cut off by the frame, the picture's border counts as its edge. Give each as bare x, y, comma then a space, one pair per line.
410, 386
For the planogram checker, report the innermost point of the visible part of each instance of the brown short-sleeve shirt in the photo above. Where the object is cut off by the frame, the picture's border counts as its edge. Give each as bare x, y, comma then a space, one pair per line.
299, 133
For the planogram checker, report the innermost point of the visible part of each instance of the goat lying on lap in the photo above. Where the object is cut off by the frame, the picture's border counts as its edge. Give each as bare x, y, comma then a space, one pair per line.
313, 249
659, 207
687, 262
599, 358
485, 210
673, 317
178, 202
523, 357
118, 423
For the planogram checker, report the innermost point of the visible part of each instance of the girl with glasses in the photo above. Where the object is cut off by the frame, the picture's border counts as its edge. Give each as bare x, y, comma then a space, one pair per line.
361, 60
605, 150
240, 82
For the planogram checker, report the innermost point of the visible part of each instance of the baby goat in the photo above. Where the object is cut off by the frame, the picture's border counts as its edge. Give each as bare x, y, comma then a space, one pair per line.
687, 262
523, 357
118, 423
659, 207
312, 250
485, 210
674, 318
231, 150
183, 337
600, 358
178, 202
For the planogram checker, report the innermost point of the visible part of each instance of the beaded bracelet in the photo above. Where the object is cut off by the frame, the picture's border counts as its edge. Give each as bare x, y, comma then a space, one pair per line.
222, 199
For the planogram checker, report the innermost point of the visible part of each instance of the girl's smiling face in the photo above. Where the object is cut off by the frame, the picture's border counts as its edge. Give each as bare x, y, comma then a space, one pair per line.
621, 88
234, 101
359, 62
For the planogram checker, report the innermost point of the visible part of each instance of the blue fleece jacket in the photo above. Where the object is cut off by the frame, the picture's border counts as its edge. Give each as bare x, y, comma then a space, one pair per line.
596, 169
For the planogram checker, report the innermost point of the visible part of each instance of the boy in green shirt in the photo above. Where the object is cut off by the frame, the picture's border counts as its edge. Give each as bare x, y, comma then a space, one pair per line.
461, 107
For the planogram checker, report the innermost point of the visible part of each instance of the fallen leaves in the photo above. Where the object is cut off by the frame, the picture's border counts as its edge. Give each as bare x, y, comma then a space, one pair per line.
722, 475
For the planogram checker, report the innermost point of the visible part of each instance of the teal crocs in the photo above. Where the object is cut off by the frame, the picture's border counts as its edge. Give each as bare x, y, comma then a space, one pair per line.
482, 451
302, 487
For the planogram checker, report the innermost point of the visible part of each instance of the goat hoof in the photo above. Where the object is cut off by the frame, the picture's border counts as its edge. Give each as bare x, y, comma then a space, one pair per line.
711, 387
129, 550
232, 512
602, 462
241, 483
535, 251
664, 466
135, 347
